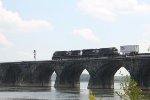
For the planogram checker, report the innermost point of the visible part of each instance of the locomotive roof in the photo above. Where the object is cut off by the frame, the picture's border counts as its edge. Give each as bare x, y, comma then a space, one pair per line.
68, 51
60, 51
101, 48
87, 49
75, 50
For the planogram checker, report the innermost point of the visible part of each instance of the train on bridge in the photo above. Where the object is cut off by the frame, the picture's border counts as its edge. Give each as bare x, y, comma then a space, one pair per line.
86, 53
125, 51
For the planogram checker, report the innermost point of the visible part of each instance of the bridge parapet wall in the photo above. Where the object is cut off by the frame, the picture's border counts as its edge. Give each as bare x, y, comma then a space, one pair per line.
26, 74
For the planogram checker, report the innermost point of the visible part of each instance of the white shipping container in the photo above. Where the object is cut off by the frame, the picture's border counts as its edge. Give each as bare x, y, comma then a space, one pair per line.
129, 48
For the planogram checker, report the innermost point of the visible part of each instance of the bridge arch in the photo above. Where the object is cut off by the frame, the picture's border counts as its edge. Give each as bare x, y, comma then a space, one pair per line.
139, 69
145, 75
41, 75
122, 72
69, 76
122, 75
102, 73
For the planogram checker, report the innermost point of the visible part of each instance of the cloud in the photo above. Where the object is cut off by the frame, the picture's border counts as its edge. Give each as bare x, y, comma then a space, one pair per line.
4, 41
146, 34
147, 26
108, 10
22, 55
86, 34
12, 22
144, 45
144, 40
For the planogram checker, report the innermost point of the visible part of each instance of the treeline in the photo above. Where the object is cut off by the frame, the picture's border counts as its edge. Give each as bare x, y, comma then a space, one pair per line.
86, 77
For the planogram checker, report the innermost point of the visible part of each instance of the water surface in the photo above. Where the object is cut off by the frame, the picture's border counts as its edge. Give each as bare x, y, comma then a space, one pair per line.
40, 93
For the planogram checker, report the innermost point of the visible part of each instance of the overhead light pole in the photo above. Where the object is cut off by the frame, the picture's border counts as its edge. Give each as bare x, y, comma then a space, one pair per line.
34, 52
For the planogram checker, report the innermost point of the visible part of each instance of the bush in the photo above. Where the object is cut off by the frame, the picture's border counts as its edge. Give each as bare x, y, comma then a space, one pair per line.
92, 96
131, 91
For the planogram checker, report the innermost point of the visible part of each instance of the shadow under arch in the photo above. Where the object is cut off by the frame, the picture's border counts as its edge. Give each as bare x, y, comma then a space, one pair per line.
41, 75
102, 73
144, 75
69, 75
139, 71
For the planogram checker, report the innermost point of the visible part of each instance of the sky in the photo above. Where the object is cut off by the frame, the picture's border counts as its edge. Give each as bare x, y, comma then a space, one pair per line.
54, 25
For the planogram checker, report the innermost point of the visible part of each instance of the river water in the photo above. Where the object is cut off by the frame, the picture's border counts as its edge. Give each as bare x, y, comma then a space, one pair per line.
40, 93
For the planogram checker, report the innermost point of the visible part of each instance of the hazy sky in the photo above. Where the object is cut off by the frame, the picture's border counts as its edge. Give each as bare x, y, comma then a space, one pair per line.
50, 25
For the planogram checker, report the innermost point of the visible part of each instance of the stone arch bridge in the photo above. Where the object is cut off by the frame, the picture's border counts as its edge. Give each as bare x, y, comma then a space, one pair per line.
101, 71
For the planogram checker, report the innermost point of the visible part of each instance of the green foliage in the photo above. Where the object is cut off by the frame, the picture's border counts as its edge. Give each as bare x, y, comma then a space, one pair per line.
131, 91
100, 98
92, 96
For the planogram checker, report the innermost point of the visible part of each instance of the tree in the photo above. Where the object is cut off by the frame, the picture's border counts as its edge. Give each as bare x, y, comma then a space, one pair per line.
130, 91
92, 96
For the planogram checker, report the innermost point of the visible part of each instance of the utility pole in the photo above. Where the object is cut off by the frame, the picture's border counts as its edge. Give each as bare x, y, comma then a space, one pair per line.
34, 52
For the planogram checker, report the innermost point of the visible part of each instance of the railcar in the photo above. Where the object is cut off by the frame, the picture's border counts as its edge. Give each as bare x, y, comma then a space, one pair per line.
59, 55
113, 51
102, 52
90, 52
143, 54
75, 53
85, 53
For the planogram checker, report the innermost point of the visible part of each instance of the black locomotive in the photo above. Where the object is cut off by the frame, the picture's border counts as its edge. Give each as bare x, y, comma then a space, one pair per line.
66, 54
102, 52
85, 53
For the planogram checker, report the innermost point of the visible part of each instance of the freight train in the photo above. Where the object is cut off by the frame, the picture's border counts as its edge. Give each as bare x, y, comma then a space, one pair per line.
86, 53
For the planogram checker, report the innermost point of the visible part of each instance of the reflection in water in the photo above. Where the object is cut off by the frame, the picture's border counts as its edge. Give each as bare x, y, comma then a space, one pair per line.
25, 89
103, 92
46, 93
68, 90
67, 93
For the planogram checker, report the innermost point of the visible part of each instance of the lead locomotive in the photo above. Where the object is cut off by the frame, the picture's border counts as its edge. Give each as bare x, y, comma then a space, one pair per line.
85, 53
